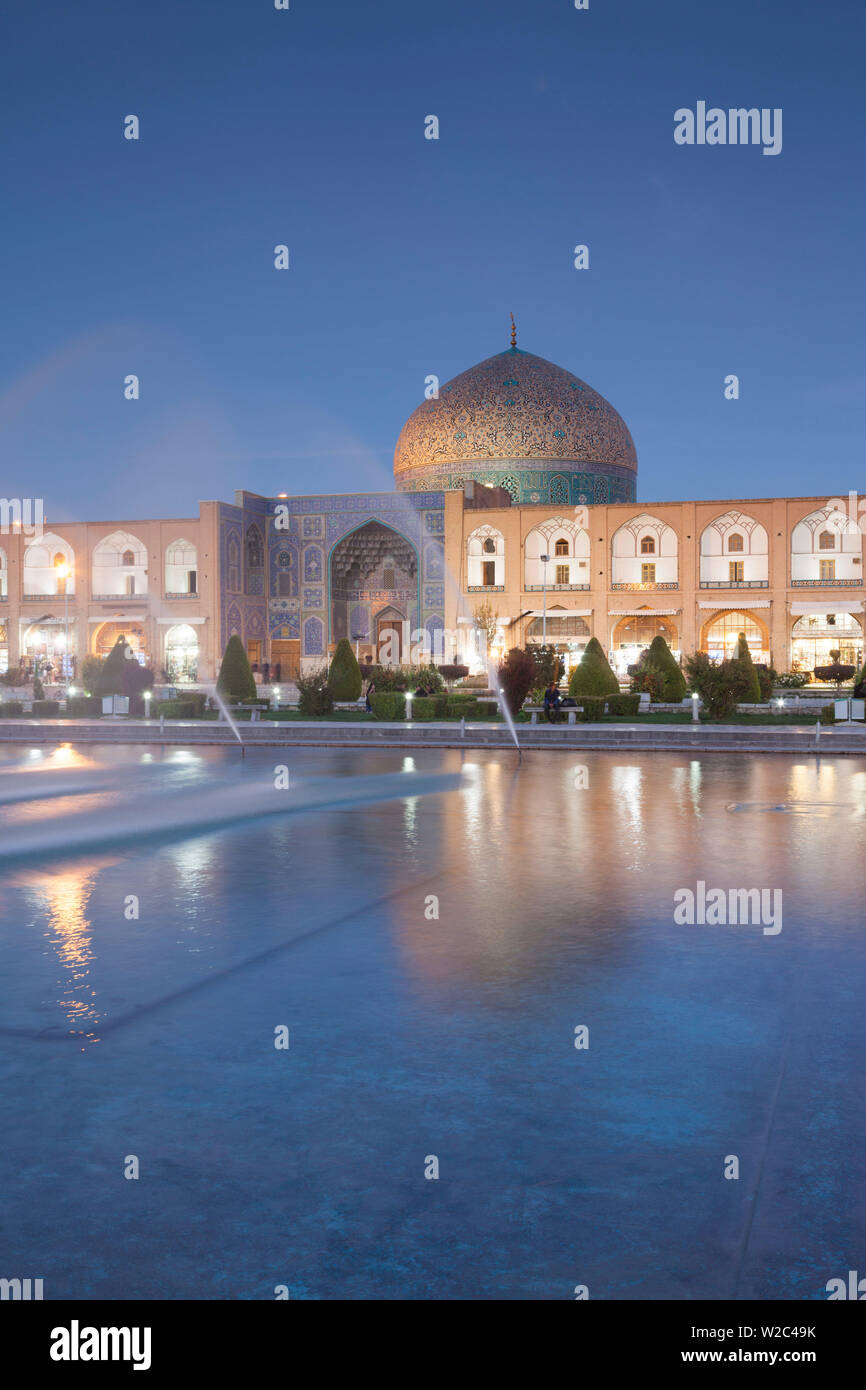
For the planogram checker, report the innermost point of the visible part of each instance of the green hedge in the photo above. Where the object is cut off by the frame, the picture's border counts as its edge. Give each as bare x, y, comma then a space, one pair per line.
11, 709
187, 708
828, 714
429, 707
388, 704
470, 709
590, 707
623, 704
83, 706
46, 709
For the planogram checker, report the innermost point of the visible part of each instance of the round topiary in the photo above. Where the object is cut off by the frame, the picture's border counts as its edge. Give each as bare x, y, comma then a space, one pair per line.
235, 681
344, 677
593, 675
661, 659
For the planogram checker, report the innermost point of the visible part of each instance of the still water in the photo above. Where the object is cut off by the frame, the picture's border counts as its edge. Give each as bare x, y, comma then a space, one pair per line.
434, 957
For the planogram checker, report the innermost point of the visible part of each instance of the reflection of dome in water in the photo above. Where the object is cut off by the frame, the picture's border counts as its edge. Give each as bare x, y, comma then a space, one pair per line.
524, 423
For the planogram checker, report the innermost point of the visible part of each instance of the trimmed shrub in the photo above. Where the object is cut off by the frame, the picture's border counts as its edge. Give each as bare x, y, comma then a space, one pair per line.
388, 704
315, 693
11, 709
661, 659
837, 673
792, 680
91, 674
766, 679
517, 675
593, 675
827, 714
424, 708
453, 672
344, 677
860, 683
750, 676
38, 689
235, 681
83, 706
590, 707
470, 709
623, 704
46, 709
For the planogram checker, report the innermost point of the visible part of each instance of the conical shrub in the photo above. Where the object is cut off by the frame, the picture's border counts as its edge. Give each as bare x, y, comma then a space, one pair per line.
750, 675
660, 658
593, 675
235, 681
344, 677
111, 676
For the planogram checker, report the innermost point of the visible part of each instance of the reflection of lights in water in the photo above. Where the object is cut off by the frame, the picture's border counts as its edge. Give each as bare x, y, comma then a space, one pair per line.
192, 858
627, 789
695, 779
184, 755
408, 765
63, 897
410, 817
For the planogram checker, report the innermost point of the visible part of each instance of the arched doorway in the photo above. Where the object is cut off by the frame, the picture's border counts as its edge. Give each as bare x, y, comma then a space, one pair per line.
816, 635
721, 635
374, 590
181, 654
106, 634
635, 632
568, 634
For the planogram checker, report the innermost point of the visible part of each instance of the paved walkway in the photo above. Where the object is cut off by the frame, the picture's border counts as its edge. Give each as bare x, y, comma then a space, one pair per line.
477, 734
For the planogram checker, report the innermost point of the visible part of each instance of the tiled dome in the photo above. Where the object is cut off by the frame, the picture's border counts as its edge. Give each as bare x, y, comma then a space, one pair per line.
514, 411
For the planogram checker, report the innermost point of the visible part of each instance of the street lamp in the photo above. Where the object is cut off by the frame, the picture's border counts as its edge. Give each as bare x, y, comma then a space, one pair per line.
64, 570
545, 560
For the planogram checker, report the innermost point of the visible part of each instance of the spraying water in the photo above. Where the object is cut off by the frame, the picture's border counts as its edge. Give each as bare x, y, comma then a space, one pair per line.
231, 723
493, 677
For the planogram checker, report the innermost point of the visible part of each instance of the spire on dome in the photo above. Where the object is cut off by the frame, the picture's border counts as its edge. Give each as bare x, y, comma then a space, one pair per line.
513, 332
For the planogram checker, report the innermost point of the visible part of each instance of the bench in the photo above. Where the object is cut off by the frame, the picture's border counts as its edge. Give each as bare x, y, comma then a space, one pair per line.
536, 710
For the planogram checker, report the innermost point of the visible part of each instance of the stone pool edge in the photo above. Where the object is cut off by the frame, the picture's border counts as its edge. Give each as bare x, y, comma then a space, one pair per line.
680, 738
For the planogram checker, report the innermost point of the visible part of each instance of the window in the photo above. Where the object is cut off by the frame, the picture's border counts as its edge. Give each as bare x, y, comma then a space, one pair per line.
488, 573
826, 541
255, 548
192, 581
561, 548
130, 584
735, 542
128, 558
647, 574
736, 569
648, 546
489, 546
562, 574
828, 570
389, 578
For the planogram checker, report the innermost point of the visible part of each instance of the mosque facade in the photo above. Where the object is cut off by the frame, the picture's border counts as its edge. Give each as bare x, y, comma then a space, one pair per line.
515, 507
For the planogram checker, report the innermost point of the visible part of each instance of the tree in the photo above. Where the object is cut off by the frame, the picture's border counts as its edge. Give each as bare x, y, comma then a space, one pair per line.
315, 693
453, 672
721, 685
344, 677
744, 656
235, 681
549, 665
672, 682
487, 619
91, 674
516, 676
860, 683
38, 689
593, 675
111, 677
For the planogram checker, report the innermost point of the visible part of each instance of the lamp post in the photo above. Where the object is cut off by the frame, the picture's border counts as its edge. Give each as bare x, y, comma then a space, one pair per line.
544, 560
64, 570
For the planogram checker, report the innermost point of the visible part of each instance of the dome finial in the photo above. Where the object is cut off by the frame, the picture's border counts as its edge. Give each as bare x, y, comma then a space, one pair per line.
513, 332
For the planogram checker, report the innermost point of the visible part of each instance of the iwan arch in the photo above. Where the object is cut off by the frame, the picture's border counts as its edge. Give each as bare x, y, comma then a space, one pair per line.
516, 490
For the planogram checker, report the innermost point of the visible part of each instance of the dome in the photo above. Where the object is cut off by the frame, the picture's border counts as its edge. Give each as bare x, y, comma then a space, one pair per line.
519, 421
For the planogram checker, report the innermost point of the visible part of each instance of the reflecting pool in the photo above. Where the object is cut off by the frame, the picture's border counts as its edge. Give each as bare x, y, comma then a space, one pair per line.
484, 975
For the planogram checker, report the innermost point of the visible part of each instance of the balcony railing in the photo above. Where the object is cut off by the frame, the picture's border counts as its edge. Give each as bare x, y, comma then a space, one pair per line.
45, 598
486, 588
735, 583
374, 595
551, 588
181, 594
641, 588
113, 598
826, 583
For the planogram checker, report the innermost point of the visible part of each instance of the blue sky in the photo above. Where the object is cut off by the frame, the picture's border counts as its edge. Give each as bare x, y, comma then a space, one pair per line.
307, 127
